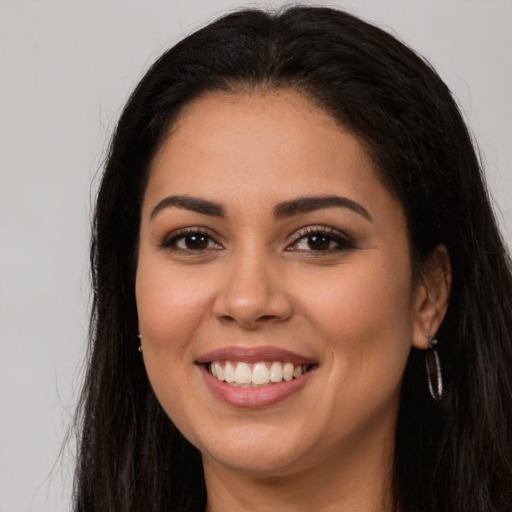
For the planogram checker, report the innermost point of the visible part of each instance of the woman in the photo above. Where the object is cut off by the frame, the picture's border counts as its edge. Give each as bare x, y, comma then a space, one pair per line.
293, 230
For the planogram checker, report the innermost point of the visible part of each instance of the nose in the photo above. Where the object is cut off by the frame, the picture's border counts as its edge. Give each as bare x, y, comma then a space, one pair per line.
253, 292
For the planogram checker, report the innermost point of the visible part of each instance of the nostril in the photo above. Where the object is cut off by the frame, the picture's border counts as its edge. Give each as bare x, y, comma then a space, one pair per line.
264, 318
251, 306
248, 323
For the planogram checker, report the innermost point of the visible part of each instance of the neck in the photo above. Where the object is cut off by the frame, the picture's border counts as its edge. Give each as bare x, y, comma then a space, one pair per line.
348, 479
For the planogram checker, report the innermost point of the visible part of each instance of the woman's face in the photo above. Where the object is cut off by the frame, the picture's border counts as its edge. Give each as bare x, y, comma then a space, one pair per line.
271, 251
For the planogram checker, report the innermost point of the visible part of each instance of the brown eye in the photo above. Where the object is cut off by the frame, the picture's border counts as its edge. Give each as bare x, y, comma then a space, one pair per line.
319, 242
190, 241
194, 241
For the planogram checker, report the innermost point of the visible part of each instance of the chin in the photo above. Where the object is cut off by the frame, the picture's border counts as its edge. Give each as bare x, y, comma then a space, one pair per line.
253, 452
265, 462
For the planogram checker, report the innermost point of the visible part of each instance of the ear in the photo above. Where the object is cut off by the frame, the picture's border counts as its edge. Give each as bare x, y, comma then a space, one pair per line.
431, 296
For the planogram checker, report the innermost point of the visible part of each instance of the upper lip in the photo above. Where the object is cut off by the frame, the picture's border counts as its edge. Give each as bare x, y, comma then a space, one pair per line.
253, 355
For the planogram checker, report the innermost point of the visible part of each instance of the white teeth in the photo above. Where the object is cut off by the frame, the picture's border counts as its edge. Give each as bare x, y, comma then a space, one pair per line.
229, 373
219, 371
243, 374
260, 374
276, 372
288, 372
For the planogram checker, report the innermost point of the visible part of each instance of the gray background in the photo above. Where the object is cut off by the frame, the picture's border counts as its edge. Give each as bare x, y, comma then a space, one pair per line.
66, 68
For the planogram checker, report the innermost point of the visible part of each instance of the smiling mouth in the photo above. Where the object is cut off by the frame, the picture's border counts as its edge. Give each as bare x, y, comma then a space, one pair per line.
256, 375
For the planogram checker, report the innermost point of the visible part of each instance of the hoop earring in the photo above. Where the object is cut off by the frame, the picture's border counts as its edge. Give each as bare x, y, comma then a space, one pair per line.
433, 365
139, 348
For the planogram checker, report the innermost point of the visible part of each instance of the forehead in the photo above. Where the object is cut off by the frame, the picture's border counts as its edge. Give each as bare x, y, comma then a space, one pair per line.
247, 125
263, 145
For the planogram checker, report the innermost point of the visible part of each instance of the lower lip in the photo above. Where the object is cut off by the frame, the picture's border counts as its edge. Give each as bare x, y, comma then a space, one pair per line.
254, 397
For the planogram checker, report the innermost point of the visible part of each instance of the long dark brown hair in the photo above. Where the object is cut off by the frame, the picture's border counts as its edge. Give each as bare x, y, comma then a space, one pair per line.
455, 455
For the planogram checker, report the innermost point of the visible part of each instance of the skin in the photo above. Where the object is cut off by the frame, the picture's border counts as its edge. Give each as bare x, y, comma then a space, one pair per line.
350, 307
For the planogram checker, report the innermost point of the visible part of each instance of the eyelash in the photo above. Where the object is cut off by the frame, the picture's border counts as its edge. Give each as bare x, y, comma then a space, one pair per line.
326, 234
343, 241
182, 234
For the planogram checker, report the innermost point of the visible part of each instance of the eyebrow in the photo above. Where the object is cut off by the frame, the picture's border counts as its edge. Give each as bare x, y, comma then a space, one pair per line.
282, 210
309, 204
194, 204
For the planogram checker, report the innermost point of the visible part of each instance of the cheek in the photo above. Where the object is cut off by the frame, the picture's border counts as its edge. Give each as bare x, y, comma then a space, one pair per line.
370, 284
170, 311
169, 308
366, 314
365, 323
